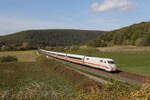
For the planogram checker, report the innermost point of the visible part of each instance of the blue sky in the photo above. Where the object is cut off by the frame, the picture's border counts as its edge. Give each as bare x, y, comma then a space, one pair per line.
18, 15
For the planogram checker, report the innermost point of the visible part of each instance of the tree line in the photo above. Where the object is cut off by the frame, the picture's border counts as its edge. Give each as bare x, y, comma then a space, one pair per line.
33, 39
137, 35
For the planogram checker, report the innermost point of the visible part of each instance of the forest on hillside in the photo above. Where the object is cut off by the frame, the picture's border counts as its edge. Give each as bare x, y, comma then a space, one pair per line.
137, 34
33, 39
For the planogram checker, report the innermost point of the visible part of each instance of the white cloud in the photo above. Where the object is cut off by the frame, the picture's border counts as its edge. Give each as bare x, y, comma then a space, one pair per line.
112, 4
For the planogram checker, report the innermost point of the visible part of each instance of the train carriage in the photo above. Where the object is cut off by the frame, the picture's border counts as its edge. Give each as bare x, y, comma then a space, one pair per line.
96, 62
75, 58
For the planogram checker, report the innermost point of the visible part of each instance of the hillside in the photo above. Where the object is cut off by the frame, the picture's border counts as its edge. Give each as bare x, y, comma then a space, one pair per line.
137, 34
54, 37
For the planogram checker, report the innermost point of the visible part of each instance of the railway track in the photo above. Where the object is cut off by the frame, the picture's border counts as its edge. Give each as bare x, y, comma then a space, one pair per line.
122, 76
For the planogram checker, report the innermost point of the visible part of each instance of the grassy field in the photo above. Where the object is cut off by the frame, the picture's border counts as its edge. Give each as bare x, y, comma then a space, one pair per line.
30, 81
23, 56
46, 79
50, 80
124, 49
131, 60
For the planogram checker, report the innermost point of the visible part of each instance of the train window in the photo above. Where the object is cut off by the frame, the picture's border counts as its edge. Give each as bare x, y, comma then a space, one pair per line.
60, 55
75, 58
101, 60
87, 58
110, 62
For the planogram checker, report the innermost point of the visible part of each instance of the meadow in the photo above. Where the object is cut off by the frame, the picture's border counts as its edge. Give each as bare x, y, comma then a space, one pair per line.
131, 59
51, 80
23, 56
30, 81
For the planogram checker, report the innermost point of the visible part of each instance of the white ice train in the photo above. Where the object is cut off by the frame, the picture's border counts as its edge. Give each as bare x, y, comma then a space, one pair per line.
96, 62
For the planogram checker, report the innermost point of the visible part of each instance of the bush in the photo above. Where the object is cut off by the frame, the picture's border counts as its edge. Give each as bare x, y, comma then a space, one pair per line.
8, 59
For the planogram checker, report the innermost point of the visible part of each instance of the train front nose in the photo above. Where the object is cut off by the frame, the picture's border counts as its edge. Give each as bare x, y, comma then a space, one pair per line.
114, 67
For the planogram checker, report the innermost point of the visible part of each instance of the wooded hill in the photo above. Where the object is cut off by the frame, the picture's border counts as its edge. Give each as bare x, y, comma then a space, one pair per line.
33, 39
137, 34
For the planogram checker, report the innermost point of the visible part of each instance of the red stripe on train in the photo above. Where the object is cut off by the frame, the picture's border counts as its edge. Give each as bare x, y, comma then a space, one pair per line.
79, 61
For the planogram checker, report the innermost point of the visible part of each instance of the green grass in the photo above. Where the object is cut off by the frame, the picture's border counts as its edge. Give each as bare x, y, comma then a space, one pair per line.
135, 62
131, 61
32, 79
23, 56
51, 80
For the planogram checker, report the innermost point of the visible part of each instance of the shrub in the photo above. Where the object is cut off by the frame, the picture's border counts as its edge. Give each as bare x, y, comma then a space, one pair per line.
8, 59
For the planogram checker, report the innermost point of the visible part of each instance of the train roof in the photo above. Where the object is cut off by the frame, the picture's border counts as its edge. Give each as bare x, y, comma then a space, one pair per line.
103, 58
59, 53
75, 55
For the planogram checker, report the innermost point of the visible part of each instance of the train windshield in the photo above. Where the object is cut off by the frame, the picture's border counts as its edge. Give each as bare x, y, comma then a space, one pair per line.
111, 62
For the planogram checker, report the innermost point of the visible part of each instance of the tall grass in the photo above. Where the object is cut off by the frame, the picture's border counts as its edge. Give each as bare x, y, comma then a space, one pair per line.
51, 80
29, 80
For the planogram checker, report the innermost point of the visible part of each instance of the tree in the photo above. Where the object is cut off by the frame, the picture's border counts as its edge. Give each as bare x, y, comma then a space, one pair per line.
97, 43
144, 41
